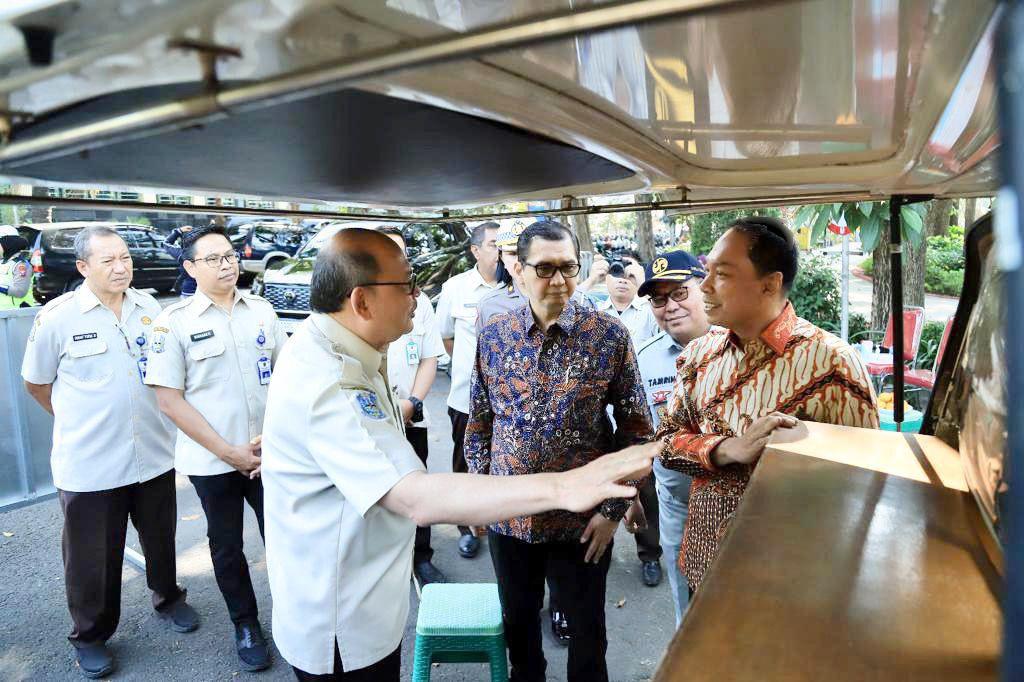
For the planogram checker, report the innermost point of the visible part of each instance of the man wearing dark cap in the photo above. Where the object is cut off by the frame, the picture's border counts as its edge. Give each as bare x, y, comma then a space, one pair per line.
15, 273
673, 285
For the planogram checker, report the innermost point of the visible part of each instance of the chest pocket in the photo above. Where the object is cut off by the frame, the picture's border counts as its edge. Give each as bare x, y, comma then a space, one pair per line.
208, 362
89, 362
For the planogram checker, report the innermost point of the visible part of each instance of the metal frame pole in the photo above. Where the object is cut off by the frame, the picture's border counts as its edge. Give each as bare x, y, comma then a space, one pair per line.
896, 296
1009, 233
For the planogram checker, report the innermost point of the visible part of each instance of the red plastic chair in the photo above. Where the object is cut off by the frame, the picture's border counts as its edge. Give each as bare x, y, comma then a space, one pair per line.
913, 324
925, 378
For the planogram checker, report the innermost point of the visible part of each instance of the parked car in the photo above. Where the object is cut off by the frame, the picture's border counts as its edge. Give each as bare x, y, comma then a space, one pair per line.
53, 257
261, 244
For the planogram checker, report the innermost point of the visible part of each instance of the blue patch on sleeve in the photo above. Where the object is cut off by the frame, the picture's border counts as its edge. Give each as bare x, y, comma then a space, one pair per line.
368, 404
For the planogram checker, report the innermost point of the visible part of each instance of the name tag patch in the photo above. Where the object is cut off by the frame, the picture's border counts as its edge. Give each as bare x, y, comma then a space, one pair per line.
84, 337
369, 405
202, 336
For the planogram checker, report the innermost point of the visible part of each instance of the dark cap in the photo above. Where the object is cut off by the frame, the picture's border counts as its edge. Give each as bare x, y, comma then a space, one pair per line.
673, 266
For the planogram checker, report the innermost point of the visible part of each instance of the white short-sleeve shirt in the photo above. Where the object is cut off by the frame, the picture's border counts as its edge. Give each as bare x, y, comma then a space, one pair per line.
456, 316
637, 317
107, 429
216, 357
405, 353
339, 563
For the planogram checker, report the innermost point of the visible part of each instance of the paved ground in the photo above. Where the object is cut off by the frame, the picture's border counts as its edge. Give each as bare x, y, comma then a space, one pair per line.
34, 620
937, 308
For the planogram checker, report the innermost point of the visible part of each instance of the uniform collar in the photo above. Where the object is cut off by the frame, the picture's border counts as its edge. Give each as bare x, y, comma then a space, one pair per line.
345, 341
637, 303
87, 300
566, 320
478, 279
200, 301
777, 334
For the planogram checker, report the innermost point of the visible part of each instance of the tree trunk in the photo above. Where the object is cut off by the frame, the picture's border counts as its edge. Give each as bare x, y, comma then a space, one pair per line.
913, 272
580, 224
881, 290
970, 211
644, 230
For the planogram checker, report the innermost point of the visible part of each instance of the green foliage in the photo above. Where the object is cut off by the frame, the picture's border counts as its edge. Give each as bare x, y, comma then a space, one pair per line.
816, 293
857, 326
866, 219
931, 336
948, 282
706, 228
868, 265
944, 263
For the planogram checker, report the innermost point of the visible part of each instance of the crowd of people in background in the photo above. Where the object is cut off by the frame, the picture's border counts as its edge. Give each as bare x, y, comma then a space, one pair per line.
629, 394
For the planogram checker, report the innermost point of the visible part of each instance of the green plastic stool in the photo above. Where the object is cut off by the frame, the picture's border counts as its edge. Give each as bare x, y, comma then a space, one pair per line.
460, 623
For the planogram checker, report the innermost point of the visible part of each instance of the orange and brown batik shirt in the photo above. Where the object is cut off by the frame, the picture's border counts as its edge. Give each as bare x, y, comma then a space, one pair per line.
723, 386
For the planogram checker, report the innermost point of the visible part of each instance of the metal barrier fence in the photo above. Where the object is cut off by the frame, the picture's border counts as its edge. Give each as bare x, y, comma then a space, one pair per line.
25, 428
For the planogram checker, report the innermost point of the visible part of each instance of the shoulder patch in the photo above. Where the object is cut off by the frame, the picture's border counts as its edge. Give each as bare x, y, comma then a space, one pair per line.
368, 404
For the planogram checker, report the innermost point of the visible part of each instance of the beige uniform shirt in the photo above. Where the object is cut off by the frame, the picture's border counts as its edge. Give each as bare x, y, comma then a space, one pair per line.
216, 357
406, 352
637, 318
339, 563
107, 429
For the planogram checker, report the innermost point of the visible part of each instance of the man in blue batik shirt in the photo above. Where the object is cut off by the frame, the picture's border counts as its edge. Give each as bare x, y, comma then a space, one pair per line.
543, 377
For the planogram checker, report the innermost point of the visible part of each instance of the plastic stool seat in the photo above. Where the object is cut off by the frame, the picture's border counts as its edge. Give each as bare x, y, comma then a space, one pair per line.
460, 623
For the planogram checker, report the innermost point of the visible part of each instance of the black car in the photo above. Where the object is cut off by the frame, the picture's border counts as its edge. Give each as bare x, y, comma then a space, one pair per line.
262, 244
52, 246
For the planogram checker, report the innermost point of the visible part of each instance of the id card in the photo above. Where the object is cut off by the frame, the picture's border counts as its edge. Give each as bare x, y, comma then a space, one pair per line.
263, 370
412, 353
142, 363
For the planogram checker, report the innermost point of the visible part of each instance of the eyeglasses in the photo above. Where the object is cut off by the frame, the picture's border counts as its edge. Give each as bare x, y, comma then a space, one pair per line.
678, 295
410, 285
215, 261
547, 270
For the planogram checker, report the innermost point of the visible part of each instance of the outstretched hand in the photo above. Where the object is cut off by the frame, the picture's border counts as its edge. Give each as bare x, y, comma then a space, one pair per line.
584, 488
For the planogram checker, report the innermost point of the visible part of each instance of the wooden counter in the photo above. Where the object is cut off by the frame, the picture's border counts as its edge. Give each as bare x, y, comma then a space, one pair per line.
833, 572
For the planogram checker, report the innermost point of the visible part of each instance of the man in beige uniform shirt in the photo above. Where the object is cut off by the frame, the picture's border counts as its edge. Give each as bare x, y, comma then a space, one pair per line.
211, 363
345, 490
112, 452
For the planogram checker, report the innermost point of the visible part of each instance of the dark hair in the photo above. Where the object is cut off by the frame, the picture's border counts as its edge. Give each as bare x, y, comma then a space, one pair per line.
83, 240
771, 247
477, 237
548, 230
189, 239
340, 268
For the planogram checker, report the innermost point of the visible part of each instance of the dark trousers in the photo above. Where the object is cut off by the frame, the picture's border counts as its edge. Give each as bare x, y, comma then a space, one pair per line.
385, 670
648, 542
520, 568
95, 524
417, 437
459, 421
223, 497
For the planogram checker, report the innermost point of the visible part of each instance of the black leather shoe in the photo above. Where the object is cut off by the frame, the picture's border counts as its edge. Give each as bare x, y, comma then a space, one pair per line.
94, 660
651, 572
427, 573
469, 545
560, 627
252, 646
180, 616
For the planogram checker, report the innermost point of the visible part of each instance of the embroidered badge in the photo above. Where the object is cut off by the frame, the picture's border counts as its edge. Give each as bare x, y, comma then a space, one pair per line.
84, 337
147, 320
161, 329
202, 336
368, 404
156, 344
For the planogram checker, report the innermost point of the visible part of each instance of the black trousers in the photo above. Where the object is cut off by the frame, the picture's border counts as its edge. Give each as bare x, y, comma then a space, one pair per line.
385, 670
520, 568
417, 437
459, 421
648, 541
95, 524
223, 497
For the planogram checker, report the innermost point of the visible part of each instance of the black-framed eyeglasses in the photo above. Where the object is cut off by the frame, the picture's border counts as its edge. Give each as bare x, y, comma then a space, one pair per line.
547, 270
215, 261
410, 285
679, 294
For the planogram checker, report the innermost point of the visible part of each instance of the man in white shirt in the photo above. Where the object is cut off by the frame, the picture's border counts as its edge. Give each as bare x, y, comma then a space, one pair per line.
112, 450
345, 490
412, 365
213, 355
623, 304
457, 310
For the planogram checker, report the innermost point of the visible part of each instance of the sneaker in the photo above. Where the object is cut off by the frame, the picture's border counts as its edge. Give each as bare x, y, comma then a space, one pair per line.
94, 660
651, 573
427, 573
560, 627
469, 545
252, 646
180, 616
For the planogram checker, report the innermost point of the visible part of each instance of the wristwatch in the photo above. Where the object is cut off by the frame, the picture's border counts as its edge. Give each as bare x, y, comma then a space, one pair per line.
417, 409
